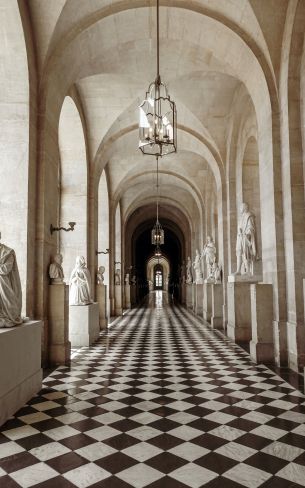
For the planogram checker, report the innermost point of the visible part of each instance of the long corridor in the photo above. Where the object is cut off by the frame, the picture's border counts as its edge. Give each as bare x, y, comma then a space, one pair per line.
159, 401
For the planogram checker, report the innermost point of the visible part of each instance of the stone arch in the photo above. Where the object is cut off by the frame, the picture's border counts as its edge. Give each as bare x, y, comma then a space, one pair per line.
73, 185
103, 225
250, 189
15, 174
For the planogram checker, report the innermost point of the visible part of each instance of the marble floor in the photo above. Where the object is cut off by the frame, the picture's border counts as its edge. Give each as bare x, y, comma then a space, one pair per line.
159, 401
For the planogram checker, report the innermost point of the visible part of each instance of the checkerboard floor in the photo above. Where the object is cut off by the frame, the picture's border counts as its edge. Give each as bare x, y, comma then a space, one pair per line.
159, 401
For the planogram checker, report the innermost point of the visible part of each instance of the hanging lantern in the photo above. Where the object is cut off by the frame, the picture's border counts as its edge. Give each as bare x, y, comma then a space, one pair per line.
157, 234
157, 115
158, 252
157, 126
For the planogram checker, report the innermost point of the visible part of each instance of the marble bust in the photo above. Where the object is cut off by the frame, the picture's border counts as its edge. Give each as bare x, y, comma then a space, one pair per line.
117, 277
246, 250
197, 268
189, 277
100, 275
209, 252
10, 289
56, 273
80, 284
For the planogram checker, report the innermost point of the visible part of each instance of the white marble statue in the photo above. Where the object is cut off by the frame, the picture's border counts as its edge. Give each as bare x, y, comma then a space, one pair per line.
197, 268
189, 276
117, 277
127, 279
217, 273
134, 280
246, 250
56, 272
100, 275
209, 252
10, 289
80, 284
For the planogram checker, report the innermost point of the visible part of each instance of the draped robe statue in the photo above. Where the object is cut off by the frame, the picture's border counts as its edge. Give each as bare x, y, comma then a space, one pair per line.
246, 251
10, 289
209, 251
80, 284
189, 276
197, 268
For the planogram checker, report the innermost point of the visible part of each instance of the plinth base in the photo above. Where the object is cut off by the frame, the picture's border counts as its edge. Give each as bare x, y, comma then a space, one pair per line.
84, 324
20, 366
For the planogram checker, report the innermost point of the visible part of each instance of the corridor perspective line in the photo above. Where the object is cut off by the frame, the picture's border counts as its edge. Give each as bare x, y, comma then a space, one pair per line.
160, 401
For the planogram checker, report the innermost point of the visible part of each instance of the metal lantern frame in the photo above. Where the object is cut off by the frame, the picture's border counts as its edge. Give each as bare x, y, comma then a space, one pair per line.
158, 253
158, 115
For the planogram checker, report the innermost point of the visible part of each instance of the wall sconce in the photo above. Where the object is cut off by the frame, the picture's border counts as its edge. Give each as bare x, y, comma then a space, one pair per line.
57, 229
102, 252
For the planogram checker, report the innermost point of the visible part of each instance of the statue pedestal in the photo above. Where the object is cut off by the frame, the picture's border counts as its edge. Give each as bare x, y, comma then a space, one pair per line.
189, 299
199, 299
60, 347
239, 308
193, 296
83, 324
118, 310
217, 306
20, 366
127, 303
101, 297
207, 301
261, 345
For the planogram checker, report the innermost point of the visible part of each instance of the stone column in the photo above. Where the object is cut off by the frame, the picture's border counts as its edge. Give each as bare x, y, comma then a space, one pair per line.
261, 345
239, 308
118, 300
199, 299
207, 301
101, 298
127, 300
217, 306
60, 346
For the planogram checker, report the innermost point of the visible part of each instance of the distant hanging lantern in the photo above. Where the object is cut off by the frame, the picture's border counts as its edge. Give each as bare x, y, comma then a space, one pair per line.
158, 252
158, 116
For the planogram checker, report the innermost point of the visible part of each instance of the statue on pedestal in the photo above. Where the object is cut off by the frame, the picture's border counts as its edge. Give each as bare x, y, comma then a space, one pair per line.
10, 289
209, 252
117, 277
217, 273
246, 250
197, 268
80, 284
56, 272
189, 276
100, 275
127, 279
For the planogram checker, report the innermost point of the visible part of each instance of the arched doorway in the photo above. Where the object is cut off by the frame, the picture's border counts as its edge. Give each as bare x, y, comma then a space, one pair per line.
158, 277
